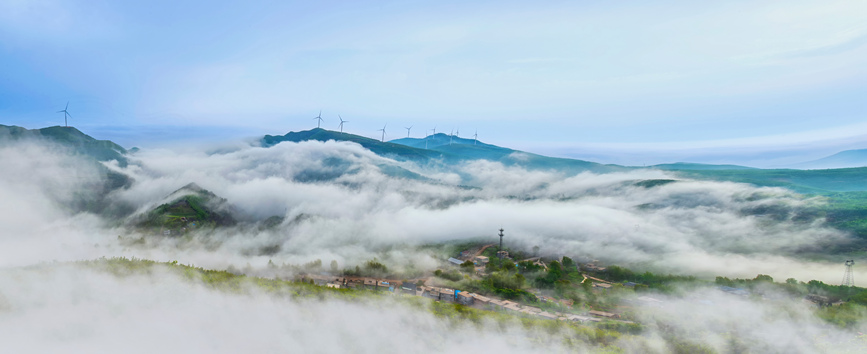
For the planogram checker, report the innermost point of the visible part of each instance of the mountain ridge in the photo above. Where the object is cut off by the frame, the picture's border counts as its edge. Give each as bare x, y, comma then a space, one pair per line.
842, 159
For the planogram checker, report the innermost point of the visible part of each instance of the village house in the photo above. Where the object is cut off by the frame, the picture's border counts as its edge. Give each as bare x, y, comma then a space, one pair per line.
582, 319
512, 307
604, 314
384, 285
465, 298
408, 288
482, 300
432, 293
547, 315
447, 295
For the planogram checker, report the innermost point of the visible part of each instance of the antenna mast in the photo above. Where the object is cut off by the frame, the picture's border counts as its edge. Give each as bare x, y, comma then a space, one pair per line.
848, 280
501, 239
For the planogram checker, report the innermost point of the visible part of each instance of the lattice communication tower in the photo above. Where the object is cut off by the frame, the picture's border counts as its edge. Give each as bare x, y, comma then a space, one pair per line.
848, 280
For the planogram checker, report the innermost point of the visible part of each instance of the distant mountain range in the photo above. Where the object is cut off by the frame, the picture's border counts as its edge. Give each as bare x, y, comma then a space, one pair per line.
443, 150
843, 159
446, 149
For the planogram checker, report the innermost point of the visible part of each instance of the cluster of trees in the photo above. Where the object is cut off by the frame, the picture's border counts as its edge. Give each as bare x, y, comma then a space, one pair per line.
814, 287
448, 275
663, 282
372, 268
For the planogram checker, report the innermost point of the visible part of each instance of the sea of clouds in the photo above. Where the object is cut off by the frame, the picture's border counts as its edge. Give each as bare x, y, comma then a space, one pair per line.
357, 211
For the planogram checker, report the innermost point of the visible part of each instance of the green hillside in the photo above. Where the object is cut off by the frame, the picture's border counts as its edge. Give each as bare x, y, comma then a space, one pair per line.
802, 181
387, 149
191, 207
699, 166
70, 137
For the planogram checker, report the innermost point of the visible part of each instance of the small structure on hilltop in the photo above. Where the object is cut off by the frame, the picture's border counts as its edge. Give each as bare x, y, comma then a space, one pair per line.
848, 279
501, 239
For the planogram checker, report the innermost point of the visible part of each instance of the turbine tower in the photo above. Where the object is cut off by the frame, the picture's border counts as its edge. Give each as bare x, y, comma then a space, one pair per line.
407, 130
847, 276
476, 137
451, 136
319, 117
65, 114
383, 131
341, 122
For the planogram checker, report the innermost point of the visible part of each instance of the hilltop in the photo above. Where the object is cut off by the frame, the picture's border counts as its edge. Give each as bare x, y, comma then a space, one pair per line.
190, 207
77, 142
447, 149
387, 149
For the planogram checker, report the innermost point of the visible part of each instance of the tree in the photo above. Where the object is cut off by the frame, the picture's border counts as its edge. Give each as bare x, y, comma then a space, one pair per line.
334, 266
509, 266
468, 267
587, 285
763, 277
568, 264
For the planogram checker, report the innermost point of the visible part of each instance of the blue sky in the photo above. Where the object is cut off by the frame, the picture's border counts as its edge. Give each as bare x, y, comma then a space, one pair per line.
739, 81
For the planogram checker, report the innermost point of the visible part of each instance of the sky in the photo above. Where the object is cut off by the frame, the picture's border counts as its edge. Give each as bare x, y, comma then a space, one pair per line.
754, 82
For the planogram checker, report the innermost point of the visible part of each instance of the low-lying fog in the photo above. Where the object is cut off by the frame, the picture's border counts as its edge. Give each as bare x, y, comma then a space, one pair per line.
354, 212
351, 211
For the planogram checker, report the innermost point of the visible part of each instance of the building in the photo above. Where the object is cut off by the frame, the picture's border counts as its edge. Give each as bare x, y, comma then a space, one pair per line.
455, 261
447, 295
333, 285
481, 300
582, 319
603, 286
495, 304
383, 285
408, 288
547, 315
465, 298
370, 284
533, 309
604, 314
431, 293
502, 254
481, 260
512, 307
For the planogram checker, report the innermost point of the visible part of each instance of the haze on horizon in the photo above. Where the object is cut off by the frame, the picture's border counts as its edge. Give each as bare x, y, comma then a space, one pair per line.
767, 83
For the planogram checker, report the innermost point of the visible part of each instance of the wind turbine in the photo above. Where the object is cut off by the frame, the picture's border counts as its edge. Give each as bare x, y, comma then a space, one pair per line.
383, 131
458, 132
65, 114
476, 137
407, 130
319, 117
451, 136
341, 123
